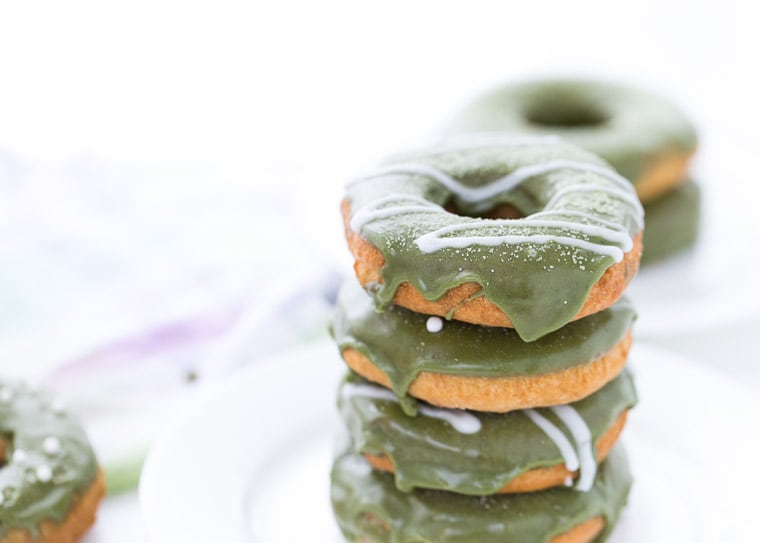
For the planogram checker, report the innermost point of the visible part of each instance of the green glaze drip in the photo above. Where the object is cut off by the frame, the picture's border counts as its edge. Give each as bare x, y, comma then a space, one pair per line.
370, 509
626, 126
540, 274
43, 442
428, 452
672, 222
397, 342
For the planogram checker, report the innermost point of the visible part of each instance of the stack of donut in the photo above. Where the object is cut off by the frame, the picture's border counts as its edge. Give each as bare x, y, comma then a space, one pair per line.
487, 348
646, 138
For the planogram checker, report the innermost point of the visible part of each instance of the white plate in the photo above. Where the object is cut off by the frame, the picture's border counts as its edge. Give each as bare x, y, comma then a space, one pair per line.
251, 463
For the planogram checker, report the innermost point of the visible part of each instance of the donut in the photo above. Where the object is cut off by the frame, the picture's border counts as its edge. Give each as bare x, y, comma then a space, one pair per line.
645, 137
474, 453
369, 508
50, 483
421, 235
459, 365
672, 223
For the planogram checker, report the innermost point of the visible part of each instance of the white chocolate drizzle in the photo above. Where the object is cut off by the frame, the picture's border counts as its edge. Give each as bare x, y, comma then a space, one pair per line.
581, 456
503, 184
555, 434
583, 443
432, 241
461, 421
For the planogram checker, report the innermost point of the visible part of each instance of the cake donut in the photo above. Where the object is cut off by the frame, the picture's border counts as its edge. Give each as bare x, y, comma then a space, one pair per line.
427, 232
646, 138
474, 453
370, 509
459, 365
50, 483
672, 222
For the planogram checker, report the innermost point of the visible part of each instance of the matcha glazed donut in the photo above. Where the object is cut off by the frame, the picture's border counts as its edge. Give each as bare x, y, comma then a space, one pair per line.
474, 453
370, 509
421, 235
483, 368
646, 138
50, 484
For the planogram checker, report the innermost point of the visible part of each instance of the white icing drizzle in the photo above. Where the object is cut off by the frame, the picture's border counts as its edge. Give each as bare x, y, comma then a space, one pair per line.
503, 184
555, 434
581, 215
432, 241
434, 325
626, 196
583, 443
461, 421
51, 445
372, 211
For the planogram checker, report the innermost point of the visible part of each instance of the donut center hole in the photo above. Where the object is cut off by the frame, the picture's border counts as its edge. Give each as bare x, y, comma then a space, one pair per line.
501, 211
566, 114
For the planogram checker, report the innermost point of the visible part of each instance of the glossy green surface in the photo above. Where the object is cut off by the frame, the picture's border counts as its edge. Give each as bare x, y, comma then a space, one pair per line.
627, 126
369, 508
540, 283
397, 341
672, 222
428, 452
48, 460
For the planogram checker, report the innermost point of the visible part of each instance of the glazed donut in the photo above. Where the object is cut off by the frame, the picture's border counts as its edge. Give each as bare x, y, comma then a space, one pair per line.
571, 254
369, 507
646, 138
474, 453
482, 368
672, 222
50, 483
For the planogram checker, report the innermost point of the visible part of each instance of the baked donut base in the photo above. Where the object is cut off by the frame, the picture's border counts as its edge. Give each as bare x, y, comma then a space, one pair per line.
76, 523
462, 302
663, 174
539, 478
503, 394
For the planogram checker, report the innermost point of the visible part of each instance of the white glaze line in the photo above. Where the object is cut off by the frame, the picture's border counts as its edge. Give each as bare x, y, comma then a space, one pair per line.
566, 449
370, 212
580, 215
627, 197
503, 184
461, 421
431, 242
583, 443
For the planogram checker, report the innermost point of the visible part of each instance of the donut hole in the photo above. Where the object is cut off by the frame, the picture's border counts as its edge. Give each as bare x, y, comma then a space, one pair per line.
501, 211
566, 112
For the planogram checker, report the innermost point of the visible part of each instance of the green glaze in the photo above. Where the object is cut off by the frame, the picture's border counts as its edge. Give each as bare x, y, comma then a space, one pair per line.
539, 269
626, 126
428, 452
672, 222
42, 440
369, 508
397, 342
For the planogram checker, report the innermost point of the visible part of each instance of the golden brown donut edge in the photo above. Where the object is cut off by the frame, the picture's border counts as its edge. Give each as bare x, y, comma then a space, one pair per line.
458, 301
503, 394
663, 174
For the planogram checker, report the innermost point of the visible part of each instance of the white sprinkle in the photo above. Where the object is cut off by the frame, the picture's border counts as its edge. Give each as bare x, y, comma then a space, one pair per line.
44, 473
568, 481
19, 456
434, 325
6, 395
51, 445
57, 406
